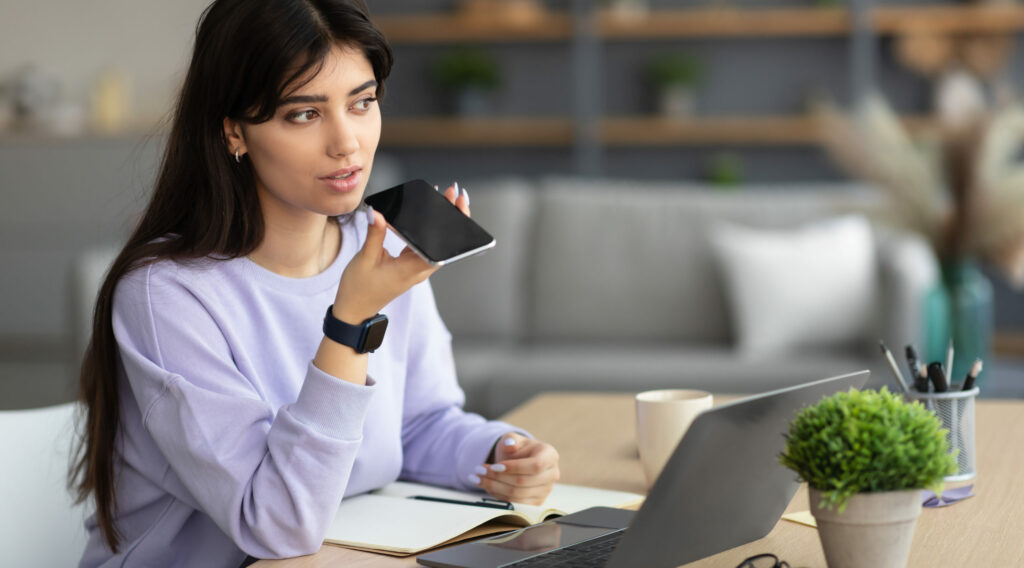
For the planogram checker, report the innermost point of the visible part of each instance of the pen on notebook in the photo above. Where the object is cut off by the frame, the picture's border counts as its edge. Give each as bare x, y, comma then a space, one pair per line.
484, 502
892, 365
949, 358
938, 377
972, 375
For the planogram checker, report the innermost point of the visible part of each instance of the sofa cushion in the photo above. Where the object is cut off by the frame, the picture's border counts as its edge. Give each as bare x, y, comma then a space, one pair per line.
795, 289
618, 259
483, 296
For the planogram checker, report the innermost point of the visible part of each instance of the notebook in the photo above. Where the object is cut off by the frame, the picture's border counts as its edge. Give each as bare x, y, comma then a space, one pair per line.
722, 487
390, 521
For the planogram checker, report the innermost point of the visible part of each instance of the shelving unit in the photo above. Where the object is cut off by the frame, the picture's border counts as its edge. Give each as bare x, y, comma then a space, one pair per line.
704, 22
584, 29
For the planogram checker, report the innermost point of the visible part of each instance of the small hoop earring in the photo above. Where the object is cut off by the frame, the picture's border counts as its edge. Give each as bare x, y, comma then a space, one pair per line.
237, 159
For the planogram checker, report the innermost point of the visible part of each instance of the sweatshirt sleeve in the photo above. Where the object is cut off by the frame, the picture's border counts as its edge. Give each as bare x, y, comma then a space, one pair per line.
272, 483
441, 442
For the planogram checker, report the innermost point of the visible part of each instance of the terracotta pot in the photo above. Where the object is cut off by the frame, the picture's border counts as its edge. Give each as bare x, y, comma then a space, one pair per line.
874, 531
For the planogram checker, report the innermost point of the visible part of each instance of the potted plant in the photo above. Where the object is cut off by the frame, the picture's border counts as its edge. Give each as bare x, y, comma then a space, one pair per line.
472, 76
674, 77
865, 456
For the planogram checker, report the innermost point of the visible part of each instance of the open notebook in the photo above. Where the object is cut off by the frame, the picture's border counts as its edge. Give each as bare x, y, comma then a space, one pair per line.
388, 521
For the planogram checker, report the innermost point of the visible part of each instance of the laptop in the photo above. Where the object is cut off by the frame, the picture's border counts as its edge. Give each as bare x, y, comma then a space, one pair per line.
722, 487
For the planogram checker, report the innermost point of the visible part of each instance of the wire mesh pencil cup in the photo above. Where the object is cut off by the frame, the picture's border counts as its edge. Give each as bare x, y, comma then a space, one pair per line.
955, 410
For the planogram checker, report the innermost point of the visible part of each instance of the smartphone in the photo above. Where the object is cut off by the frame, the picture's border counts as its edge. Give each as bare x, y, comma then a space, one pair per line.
430, 224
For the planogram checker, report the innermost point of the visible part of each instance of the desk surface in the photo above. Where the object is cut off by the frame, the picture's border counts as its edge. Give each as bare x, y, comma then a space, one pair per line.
590, 428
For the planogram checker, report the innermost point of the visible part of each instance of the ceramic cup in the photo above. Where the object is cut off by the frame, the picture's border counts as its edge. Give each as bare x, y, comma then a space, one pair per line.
662, 417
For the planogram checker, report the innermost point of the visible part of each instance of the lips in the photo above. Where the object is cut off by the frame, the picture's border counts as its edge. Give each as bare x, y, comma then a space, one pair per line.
343, 180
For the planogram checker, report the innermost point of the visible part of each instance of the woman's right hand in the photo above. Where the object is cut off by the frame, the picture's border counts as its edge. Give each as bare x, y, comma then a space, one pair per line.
373, 278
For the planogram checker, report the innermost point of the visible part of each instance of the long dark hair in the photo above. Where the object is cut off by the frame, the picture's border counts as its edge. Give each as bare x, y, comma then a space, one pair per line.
248, 54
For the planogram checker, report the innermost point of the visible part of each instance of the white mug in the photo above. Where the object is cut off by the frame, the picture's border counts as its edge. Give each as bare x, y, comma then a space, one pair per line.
662, 417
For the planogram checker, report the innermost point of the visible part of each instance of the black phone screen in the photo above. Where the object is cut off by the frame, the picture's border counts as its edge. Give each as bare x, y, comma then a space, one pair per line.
429, 223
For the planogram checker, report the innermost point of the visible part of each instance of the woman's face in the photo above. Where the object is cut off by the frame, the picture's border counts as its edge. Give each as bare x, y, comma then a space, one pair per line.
316, 153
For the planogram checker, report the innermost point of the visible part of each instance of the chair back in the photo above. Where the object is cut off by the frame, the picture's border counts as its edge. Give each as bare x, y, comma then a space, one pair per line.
40, 525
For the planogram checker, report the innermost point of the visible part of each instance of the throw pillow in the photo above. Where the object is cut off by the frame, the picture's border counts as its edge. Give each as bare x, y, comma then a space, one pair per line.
810, 287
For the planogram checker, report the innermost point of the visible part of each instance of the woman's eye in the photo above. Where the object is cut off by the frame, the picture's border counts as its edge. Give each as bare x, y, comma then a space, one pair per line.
302, 116
365, 104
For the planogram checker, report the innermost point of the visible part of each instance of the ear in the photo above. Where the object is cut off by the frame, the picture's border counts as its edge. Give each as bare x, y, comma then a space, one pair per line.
234, 137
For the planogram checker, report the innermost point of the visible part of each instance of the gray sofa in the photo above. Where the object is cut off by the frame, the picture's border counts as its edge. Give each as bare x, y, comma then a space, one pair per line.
613, 286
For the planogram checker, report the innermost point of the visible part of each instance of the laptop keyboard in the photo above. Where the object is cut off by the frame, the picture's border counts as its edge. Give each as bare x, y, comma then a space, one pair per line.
586, 554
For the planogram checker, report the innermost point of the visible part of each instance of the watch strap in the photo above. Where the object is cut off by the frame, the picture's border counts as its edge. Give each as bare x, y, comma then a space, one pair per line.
365, 337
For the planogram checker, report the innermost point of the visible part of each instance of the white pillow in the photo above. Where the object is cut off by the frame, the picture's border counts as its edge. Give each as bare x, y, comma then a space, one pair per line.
814, 286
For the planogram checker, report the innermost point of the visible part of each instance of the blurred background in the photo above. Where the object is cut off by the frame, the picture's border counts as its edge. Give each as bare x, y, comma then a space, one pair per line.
705, 106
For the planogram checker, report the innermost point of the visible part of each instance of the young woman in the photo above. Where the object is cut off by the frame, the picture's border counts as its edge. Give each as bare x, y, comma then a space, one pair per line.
227, 414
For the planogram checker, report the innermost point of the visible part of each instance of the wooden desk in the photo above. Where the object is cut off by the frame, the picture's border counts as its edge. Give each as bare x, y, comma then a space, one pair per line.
594, 433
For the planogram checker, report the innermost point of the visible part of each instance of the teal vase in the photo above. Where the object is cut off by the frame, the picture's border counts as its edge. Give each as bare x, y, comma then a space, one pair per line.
960, 307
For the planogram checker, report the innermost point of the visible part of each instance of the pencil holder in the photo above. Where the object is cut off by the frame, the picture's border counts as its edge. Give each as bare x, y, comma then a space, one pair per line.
955, 410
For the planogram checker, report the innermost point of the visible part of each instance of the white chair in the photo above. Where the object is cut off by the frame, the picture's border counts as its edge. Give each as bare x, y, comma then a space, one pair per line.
40, 526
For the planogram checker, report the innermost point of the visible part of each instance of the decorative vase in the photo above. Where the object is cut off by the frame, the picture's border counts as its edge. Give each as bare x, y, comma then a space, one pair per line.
676, 101
473, 102
875, 530
960, 307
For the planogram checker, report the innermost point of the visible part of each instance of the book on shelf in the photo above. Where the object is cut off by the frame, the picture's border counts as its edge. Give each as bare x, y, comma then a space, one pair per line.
392, 521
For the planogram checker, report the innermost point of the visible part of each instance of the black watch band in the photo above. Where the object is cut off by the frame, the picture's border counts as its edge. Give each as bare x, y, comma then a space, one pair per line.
363, 338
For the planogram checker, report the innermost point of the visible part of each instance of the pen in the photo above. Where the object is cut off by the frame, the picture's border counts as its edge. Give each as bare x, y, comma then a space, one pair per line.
484, 502
972, 375
938, 377
949, 358
892, 365
912, 361
921, 378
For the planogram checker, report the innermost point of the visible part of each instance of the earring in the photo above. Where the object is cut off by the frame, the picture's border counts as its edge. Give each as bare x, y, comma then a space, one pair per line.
237, 159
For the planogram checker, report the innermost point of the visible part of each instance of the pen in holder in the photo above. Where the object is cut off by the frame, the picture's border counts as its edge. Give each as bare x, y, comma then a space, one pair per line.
955, 410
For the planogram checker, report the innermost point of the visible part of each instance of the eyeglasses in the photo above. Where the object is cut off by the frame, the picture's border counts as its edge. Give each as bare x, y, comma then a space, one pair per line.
766, 560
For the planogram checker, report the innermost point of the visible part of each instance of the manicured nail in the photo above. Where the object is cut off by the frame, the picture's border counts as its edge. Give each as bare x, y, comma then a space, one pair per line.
370, 218
480, 470
509, 441
466, 195
437, 188
498, 467
456, 190
474, 479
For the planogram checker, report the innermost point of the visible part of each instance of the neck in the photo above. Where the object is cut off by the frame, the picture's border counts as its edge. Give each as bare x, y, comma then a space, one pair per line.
298, 247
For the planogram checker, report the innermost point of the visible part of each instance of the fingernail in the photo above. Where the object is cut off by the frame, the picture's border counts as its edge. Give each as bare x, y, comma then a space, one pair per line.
466, 195
456, 190
437, 188
474, 479
509, 441
370, 217
481, 470
498, 467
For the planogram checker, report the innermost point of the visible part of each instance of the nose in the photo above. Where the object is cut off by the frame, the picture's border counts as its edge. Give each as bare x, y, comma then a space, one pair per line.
341, 139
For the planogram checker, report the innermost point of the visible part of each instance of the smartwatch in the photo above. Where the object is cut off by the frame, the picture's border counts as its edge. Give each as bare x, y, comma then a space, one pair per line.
363, 338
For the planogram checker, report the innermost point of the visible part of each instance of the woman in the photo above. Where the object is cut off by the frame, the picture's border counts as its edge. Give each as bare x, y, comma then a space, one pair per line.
226, 421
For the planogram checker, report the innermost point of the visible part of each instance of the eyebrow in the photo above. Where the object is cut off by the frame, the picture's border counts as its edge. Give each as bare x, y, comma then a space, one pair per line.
299, 99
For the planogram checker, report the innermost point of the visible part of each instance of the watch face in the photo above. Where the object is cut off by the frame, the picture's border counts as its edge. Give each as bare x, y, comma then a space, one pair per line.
375, 333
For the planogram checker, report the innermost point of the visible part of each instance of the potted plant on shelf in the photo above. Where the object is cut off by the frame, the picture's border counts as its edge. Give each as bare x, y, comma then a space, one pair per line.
675, 76
865, 456
471, 76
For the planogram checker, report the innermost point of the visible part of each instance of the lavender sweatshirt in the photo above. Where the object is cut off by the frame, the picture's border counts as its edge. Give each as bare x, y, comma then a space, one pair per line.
233, 443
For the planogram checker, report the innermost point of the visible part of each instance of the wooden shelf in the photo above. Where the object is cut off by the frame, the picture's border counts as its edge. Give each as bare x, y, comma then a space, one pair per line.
766, 22
950, 19
451, 132
448, 28
451, 27
658, 131
448, 132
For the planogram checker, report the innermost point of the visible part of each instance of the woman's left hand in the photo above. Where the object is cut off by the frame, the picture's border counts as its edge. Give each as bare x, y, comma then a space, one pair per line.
524, 470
